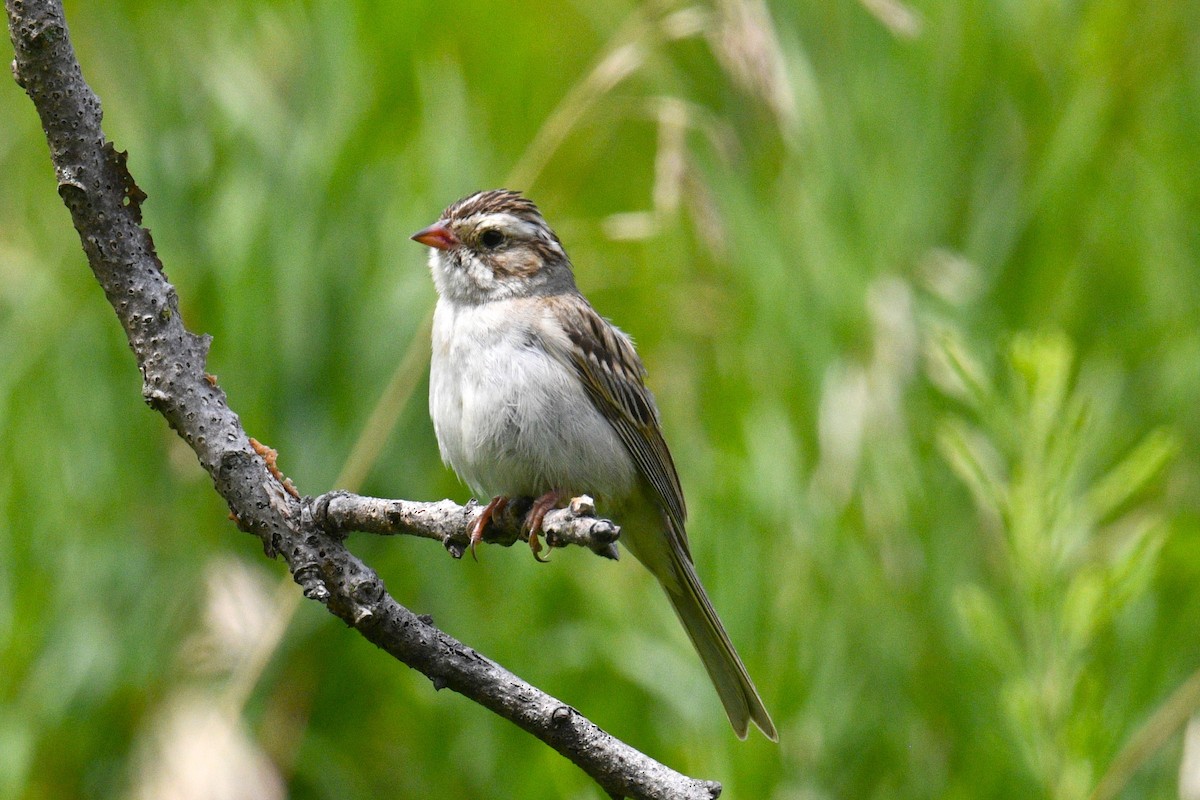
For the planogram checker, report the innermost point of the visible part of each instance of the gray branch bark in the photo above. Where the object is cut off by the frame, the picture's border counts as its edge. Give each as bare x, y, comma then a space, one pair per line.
105, 206
449, 523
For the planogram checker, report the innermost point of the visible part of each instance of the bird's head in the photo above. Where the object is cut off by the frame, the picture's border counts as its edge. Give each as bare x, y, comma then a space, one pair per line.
494, 245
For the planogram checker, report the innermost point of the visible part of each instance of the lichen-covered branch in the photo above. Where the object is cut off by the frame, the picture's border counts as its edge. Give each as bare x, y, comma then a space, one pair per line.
449, 523
105, 206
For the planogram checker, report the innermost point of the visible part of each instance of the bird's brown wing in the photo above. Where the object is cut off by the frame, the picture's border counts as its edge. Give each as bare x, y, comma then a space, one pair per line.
613, 374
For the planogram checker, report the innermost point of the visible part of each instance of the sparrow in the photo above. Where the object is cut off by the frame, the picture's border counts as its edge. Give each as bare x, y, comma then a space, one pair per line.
533, 394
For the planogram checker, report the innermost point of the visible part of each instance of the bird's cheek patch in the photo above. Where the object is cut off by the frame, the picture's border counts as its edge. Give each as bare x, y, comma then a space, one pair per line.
518, 262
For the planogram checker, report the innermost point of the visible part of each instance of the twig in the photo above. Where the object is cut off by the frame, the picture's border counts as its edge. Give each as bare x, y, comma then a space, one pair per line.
105, 206
449, 523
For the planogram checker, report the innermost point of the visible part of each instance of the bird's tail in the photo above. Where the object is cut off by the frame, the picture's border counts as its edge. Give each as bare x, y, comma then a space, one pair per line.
664, 555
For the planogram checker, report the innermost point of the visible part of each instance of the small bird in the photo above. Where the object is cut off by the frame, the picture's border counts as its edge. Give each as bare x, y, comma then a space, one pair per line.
535, 395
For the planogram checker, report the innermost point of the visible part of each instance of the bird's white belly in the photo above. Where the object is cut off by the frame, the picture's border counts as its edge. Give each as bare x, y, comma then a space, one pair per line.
511, 419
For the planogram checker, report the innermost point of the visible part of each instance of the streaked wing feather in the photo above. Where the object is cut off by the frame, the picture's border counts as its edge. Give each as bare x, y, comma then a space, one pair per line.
614, 377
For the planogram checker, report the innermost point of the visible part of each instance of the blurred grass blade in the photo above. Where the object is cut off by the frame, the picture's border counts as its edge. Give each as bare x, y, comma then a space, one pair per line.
1042, 363
1164, 723
984, 623
391, 404
955, 370
976, 463
1132, 474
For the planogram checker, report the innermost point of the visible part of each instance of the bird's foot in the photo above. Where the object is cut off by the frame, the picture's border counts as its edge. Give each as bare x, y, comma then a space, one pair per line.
533, 520
492, 509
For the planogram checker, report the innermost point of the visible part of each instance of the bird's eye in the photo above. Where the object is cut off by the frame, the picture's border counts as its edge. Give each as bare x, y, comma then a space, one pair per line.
491, 238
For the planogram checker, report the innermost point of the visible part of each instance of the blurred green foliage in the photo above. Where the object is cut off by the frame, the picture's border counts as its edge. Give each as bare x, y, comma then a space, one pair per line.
916, 287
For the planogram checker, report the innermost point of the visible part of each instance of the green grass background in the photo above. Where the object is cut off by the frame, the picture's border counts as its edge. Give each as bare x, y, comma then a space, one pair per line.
917, 290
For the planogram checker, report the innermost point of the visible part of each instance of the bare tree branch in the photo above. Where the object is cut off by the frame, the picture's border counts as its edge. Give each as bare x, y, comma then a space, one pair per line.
105, 206
448, 522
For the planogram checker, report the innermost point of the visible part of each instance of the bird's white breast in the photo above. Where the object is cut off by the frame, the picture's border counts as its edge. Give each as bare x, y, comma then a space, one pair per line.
511, 419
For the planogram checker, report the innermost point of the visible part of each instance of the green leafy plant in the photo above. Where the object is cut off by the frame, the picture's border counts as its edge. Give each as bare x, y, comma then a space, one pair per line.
1069, 545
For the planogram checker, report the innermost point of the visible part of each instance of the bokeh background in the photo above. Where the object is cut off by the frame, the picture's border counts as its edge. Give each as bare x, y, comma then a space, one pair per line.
916, 285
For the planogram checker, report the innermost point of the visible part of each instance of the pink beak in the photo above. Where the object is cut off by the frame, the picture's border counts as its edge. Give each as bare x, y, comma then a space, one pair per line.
437, 235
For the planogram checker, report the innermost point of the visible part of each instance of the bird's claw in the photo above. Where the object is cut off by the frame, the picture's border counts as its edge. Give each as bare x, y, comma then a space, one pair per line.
536, 546
492, 509
533, 521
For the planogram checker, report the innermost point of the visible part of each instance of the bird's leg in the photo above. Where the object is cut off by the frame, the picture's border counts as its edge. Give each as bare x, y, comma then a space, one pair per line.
492, 509
537, 512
